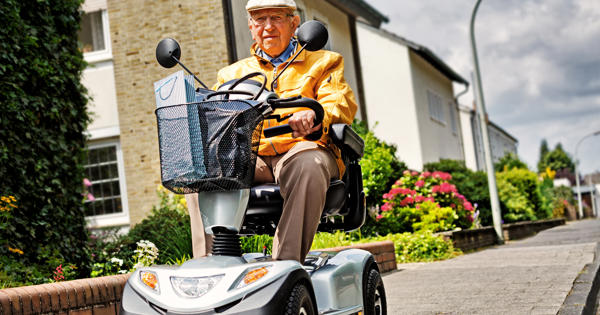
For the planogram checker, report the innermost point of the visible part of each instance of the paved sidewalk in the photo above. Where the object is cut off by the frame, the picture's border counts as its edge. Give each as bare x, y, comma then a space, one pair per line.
531, 276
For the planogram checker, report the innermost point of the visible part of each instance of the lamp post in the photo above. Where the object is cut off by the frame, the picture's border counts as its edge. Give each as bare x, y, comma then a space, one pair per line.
484, 134
577, 171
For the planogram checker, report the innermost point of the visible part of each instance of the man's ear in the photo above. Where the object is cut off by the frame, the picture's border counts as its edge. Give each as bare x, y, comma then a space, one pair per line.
296, 21
250, 29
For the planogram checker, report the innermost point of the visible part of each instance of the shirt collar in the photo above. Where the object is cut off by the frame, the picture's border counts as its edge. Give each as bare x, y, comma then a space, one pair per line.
283, 57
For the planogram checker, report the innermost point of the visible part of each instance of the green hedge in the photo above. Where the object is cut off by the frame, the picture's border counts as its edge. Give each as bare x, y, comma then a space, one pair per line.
42, 143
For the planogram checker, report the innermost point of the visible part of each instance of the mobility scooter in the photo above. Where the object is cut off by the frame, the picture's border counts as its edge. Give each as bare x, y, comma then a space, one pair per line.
209, 147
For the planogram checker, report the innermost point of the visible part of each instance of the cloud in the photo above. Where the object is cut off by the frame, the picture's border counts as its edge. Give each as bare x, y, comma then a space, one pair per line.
539, 59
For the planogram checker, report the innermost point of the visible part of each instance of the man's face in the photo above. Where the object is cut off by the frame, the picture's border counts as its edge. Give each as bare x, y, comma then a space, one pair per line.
272, 29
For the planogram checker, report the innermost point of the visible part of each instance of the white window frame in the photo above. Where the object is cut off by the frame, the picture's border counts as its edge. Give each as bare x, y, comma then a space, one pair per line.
436, 111
112, 219
106, 53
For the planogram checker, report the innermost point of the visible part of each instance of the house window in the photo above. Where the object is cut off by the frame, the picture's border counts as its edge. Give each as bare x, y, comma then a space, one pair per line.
436, 110
102, 170
93, 36
452, 117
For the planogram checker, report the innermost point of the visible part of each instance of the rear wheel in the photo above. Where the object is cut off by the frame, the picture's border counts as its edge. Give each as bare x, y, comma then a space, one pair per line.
374, 295
299, 301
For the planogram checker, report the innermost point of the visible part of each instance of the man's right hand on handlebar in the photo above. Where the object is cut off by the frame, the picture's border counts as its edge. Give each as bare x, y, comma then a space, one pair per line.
302, 123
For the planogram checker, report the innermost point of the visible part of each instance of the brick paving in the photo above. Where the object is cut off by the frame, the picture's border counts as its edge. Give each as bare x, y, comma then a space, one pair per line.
531, 276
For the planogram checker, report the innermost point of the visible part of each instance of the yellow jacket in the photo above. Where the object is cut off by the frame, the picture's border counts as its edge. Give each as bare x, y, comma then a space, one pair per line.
318, 75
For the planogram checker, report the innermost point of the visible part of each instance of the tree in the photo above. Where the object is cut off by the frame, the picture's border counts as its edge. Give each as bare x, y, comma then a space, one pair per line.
543, 152
557, 160
509, 161
42, 140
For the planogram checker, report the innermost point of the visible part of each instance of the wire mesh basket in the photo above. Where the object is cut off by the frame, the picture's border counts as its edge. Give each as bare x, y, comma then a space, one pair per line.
208, 146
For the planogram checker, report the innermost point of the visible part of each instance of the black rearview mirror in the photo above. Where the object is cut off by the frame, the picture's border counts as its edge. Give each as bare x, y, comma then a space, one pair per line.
313, 34
166, 50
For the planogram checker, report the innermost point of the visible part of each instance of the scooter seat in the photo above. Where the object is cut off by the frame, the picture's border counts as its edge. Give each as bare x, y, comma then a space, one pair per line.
266, 199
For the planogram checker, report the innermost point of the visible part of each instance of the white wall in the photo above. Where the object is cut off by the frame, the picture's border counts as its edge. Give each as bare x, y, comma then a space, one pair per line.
99, 79
500, 144
388, 93
467, 136
438, 140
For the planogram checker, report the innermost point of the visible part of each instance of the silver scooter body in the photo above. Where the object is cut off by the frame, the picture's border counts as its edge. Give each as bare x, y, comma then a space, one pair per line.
337, 285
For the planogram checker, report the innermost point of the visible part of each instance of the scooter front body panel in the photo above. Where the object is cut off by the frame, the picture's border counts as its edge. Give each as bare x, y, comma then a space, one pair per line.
338, 284
264, 296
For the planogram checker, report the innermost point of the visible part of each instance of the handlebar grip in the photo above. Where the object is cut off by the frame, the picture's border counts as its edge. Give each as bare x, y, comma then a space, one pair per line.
292, 103
277, 130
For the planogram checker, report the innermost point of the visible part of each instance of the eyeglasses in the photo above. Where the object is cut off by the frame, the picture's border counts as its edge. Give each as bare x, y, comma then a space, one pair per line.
275, 19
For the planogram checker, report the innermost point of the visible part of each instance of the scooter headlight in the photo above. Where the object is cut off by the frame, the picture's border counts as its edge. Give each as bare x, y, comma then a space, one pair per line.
193, 287
253, 275
150, 279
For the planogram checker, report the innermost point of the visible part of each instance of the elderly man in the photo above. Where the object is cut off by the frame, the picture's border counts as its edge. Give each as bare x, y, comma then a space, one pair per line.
302, 168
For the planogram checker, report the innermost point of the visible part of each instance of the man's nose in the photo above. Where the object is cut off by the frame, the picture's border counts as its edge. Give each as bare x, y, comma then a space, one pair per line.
269, 23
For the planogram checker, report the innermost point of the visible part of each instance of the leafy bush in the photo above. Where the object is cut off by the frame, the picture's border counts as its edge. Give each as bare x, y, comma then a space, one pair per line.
256, 244
518, 194
380, 166
425, 200
42, 134
473, 185
509, 161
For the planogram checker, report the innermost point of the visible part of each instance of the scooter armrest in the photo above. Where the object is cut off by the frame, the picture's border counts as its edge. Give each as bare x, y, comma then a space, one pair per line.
347, 140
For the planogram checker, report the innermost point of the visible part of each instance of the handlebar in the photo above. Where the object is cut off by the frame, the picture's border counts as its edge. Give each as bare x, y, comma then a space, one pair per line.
292, 103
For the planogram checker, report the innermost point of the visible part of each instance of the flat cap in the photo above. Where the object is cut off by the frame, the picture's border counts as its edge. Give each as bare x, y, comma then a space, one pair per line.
269, 4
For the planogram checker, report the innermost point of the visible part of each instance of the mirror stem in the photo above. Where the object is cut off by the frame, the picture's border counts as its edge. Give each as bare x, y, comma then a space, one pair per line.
190, 72
286, 66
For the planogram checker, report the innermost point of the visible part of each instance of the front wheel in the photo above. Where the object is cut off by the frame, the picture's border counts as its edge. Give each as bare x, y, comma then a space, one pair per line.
299, 302
374, 296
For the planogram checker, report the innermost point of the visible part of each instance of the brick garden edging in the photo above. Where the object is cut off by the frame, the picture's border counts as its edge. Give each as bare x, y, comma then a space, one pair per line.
477, 238
102, 295
93, 296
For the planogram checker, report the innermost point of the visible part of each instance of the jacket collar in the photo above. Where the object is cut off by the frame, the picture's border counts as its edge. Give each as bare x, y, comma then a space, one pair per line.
301, 57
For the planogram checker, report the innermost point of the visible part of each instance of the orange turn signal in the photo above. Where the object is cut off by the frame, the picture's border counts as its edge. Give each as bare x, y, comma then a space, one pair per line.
149, 278
255, 274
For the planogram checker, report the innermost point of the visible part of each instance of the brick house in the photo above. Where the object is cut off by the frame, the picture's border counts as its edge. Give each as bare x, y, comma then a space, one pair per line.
119, 39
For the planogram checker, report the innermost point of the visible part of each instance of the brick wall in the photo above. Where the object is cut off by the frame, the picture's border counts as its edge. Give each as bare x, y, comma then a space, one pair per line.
136, 26
97, 296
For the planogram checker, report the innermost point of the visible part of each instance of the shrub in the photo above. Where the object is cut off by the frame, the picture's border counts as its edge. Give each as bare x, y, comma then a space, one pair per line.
42, 133
424, 201
509, 161
473, 185
518, 194
380, 166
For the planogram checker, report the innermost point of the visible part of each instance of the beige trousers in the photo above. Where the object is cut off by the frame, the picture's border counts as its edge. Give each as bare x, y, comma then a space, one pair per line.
303, 174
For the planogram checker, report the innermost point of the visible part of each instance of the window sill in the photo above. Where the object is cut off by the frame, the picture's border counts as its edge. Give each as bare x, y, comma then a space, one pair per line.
104, 220
97, 56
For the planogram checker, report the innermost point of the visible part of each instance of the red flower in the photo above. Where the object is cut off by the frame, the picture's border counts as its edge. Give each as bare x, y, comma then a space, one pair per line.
419, 198
426, 174
420, 183
414, 173
386, 207
452, 206
468, 206
406, 201
379, 216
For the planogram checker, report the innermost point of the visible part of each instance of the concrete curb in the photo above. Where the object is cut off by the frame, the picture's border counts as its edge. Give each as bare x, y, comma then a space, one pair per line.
584, 295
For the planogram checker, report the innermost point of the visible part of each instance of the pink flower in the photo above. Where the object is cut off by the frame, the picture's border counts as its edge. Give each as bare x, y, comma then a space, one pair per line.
435, 189
386, 207
90, 197
468, 206
388, 196
406, 172
420, 183
379, 216
429, 199
414, 173
406, 201
398, 182
419, 198
87, 182
426, 174
442, 175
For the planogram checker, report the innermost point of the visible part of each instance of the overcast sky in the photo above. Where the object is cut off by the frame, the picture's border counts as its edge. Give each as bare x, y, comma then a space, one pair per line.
539, 59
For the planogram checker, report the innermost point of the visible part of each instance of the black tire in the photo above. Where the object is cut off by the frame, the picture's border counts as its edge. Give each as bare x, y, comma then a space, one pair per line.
374, 295
299, 302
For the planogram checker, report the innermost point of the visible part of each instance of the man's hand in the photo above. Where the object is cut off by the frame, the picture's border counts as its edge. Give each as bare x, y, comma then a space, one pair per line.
302, 123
